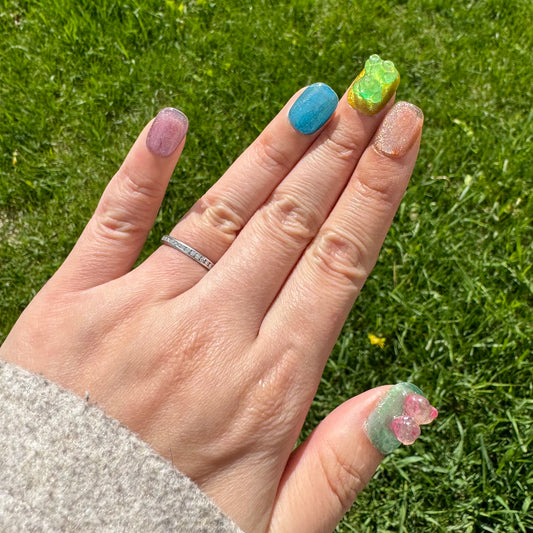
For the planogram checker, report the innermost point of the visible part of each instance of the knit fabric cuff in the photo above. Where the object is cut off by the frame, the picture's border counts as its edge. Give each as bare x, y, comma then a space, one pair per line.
67, 466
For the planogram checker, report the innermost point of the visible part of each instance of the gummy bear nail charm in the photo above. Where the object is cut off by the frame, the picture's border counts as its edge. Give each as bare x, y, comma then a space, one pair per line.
374, 86
398, 417
419, 409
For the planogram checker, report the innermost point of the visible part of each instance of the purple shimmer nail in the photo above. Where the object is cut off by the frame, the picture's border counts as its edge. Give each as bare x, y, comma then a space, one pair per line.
167, 132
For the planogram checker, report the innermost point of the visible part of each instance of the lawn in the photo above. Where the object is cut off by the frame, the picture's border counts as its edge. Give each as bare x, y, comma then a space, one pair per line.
452, 292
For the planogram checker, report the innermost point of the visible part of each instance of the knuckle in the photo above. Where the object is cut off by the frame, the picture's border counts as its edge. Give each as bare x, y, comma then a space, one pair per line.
222, 216
340, 256
123, 209
113, 223
381, 186
341, 475
134, 184
276, 394
271, 156
287, 214
343, 147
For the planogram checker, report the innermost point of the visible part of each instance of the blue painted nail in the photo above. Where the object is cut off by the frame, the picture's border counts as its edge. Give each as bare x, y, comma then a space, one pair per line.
313, 108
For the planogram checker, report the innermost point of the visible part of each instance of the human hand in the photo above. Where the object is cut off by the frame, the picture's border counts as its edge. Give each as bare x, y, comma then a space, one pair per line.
217, 369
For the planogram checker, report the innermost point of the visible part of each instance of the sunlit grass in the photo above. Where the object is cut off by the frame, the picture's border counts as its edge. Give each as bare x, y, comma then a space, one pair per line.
452, 292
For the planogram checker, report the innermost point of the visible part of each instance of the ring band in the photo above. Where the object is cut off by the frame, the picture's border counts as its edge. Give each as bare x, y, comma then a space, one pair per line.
187, 250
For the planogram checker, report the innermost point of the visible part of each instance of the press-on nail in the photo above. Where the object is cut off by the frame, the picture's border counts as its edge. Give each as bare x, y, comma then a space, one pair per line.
399, 130
396, 419
167, 132
313, 108
374, 86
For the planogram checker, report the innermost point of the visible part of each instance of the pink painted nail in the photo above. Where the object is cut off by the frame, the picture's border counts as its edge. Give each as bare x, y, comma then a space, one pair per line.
167, 132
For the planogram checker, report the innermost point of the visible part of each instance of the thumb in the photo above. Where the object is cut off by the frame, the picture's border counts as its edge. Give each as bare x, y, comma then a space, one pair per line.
325, 474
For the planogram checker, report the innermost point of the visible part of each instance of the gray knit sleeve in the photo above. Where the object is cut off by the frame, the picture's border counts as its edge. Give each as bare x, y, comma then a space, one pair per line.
66, 466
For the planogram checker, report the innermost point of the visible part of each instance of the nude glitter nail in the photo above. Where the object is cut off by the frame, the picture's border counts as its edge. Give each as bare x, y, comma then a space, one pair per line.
167, 131
399, 130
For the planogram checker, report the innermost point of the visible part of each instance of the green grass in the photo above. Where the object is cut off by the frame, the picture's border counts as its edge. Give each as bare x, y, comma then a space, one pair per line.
452, 292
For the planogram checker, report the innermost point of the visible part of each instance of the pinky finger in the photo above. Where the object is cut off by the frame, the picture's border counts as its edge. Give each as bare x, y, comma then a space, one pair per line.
325, 474
115, 235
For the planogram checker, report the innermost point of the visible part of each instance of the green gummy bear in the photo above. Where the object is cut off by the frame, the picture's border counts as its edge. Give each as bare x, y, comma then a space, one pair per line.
374, 87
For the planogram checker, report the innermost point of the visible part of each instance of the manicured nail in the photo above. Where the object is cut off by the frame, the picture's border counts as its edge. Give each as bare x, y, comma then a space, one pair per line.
397, 418
374, 86
167, 132
313, 108
399, 130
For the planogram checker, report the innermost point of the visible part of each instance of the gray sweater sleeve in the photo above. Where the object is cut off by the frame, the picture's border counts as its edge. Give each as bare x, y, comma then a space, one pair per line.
66, 466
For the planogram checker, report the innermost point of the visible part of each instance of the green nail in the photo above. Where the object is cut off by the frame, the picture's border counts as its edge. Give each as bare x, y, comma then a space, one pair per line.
374, 86
391, 406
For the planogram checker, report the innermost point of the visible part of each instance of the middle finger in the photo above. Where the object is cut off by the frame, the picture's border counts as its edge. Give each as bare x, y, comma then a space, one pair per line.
214, 221
273, 240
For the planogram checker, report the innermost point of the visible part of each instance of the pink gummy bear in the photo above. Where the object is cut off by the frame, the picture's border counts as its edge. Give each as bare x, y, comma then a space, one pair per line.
418, 408
405, 429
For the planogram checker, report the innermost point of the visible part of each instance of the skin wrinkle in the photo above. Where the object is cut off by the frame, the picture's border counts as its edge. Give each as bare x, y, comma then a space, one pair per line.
287, 216
341, 140
276, 389
339, 256
225, 216
271, 157
343, 479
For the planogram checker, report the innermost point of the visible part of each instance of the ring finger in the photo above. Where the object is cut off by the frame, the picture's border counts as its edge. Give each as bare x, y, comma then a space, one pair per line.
214, 221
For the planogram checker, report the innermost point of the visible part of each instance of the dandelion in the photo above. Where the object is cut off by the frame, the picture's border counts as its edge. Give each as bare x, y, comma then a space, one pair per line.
374, 339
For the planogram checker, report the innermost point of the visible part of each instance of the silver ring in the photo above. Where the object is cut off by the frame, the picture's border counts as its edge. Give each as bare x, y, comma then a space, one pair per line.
187, 250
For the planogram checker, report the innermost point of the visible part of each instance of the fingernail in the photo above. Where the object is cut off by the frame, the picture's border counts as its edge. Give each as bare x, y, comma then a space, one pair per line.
313, 108
167, 132
399, 130
374, 86
398, 416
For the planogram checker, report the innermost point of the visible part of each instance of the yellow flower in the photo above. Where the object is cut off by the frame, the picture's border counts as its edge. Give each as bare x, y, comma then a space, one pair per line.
380, 341
14, 160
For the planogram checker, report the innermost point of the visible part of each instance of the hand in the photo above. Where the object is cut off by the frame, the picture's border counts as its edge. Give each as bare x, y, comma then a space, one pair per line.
217, 369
